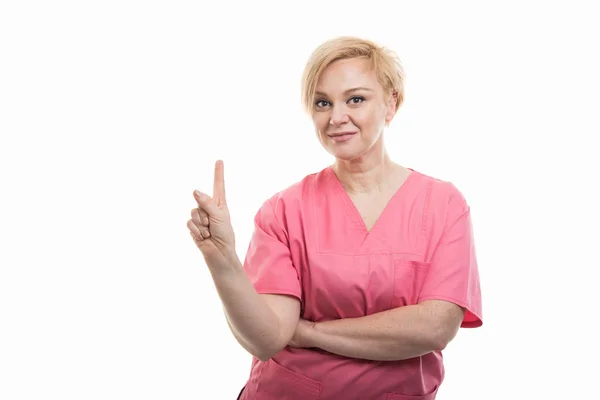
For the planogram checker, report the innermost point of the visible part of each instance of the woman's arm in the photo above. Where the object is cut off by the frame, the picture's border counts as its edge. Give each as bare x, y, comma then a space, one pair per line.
396, 334
262, 324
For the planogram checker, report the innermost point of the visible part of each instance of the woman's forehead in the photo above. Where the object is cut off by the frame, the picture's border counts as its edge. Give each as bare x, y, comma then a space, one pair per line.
343, 76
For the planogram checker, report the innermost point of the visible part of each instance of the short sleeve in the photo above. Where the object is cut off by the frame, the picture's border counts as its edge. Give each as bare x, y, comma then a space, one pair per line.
268, 261
454, 274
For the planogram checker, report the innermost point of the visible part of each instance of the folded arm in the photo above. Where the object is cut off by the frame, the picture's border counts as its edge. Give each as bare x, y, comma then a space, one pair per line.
262, 324
396, 334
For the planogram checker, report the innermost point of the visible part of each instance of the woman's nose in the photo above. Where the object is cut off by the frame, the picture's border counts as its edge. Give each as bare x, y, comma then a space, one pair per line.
338, 117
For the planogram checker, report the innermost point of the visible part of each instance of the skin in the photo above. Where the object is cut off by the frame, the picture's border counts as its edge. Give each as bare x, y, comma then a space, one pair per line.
265, 324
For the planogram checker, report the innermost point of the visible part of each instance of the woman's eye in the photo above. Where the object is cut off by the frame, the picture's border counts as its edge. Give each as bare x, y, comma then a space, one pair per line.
321, 103
357, 99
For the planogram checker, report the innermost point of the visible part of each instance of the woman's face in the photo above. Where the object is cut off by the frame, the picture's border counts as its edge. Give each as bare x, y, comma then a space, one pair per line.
351, 109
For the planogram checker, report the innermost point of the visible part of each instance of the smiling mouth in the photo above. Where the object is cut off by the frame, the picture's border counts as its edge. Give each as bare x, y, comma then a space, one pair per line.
341, 134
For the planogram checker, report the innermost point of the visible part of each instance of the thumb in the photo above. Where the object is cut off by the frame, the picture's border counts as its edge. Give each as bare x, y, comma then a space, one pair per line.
205, 202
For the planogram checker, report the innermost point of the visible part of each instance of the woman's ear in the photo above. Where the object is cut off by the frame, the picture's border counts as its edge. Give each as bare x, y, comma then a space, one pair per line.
394, 99
391, 107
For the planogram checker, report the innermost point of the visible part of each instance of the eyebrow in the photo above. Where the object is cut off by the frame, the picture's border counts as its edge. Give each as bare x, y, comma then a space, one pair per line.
356, 89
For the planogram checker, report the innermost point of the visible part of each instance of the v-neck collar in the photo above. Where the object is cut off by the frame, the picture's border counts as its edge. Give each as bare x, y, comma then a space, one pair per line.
353, 212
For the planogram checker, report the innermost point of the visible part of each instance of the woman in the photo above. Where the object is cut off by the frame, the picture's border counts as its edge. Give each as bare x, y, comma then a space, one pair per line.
358, 276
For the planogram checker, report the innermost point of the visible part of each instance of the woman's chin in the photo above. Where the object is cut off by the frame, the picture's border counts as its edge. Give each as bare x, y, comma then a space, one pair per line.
345, 154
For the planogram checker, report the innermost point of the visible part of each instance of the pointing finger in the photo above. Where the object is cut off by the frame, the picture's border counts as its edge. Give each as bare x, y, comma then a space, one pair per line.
219, 184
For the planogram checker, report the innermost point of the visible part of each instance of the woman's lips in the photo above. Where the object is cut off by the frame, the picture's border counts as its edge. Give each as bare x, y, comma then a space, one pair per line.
342, 136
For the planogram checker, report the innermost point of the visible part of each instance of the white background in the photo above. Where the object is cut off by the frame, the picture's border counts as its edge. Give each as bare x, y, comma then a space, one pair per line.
113, 112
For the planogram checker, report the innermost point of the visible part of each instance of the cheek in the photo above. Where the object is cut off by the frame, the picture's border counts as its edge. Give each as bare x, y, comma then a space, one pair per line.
320, 123
379, 116
370, 124
367, 119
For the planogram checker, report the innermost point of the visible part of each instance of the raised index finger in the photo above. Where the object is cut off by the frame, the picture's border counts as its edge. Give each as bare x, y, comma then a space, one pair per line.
219, 184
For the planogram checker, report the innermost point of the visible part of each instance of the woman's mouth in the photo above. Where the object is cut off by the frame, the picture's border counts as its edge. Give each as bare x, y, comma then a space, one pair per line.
341, 136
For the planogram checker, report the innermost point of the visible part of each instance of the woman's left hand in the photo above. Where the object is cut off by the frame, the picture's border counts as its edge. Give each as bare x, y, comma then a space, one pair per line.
303, 336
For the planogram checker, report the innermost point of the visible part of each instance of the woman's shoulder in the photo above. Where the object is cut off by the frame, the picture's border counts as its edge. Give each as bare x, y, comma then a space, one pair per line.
298, 190
299, 187
439, 190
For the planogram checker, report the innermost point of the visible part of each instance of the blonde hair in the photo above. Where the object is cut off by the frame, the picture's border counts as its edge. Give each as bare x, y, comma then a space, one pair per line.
384, 62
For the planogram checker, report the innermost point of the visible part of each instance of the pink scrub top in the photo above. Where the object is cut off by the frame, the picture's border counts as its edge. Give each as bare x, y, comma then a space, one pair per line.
310, 242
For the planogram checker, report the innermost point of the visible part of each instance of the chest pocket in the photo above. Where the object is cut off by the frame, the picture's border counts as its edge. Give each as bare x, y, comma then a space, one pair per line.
409, 276
361, 285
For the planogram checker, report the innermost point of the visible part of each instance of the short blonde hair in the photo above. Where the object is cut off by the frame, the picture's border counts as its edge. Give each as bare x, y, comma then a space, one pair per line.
385, 63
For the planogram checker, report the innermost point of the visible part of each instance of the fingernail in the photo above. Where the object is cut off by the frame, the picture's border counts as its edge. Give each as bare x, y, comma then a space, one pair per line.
196, 193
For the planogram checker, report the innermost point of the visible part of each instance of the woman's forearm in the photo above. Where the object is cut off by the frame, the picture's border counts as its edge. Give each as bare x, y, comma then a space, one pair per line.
397, 334
253, 323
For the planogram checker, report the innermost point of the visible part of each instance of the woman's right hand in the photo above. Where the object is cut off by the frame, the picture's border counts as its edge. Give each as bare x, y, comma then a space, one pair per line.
210, 225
